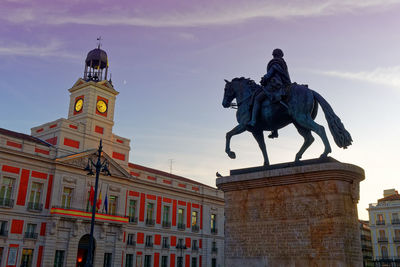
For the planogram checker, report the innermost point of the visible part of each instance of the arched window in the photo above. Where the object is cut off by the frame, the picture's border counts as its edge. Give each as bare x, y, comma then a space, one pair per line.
384, 252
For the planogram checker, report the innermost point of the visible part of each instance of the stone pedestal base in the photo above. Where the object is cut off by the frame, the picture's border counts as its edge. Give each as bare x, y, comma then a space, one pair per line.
293, 215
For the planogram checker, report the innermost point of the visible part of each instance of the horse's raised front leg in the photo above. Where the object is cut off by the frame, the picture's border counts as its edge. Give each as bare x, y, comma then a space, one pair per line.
308, 140
237, 130
259, 136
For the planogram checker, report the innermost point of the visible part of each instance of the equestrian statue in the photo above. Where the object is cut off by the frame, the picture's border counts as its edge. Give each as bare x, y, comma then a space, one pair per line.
276, 103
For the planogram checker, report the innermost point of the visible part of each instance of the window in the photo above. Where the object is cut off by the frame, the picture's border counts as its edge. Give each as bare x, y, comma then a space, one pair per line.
27, 255
59, 258
397, 233
164, 261
132, 210
165, 215
131, 240
150, 211
194, 262
379, 219
194, 245
107, 259
181, 218
112, 205
149, 241
179, 262
35, 196
31, 231
3, 229
395, 216
66, 197
194, 218
180, 243
1, 256
398, 251
129, 260
213, 262
165, 242
6, 191
147, 261
384, 252
382, 233
213, 223
214, 247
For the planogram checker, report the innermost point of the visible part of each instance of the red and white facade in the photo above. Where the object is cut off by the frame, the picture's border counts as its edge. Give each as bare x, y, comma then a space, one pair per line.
152, 218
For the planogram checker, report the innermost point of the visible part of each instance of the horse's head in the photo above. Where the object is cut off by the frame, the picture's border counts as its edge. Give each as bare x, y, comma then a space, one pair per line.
229, 94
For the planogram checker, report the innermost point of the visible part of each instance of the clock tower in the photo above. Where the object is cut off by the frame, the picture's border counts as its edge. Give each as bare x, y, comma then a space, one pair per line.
90, 115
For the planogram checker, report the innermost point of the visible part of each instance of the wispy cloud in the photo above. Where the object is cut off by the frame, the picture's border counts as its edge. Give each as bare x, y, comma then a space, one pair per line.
51, 49
195, 14
389, 76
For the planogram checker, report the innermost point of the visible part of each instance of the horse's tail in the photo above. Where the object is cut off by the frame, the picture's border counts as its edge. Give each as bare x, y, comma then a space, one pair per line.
341, 136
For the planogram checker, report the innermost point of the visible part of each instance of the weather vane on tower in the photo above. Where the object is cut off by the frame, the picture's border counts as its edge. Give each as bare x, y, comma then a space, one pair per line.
99, 41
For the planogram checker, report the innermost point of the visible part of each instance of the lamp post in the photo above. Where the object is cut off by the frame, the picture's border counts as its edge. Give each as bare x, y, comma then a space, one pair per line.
99, 167
181, 247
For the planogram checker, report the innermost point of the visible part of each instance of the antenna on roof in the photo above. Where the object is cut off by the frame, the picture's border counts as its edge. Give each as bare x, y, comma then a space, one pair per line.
170, 165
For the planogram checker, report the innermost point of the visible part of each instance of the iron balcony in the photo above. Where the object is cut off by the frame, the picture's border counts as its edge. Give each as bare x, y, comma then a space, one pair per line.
195, 228
166, 224
6, 202
133, 220
382, 239
35, 206
150, 222
31, 235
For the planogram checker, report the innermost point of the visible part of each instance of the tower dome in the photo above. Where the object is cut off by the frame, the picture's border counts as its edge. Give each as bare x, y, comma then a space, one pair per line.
96, 64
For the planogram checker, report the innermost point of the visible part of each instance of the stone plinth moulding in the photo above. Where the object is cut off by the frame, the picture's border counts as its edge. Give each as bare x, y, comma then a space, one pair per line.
293, 215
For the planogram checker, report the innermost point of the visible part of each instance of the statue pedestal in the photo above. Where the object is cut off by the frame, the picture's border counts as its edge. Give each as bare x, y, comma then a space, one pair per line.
293, 215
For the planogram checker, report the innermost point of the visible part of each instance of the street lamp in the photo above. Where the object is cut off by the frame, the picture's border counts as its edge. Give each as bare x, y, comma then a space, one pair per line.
181, 247
99, 167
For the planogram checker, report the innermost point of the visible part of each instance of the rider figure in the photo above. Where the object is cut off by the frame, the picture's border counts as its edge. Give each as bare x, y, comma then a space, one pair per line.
273, 84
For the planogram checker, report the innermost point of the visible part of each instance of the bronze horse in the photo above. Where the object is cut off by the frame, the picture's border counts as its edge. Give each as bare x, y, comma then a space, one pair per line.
300, 108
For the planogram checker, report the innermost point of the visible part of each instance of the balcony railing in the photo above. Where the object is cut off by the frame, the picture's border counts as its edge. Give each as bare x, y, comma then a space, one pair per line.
382, 239
380, 222
214, 231
396, 239
149, 244
166, 224
3, 233
195, 248
195, 228
131, 243
133, 220
6, 202
35, 206
31, 235
214, 250
150, 222
395, 221
181, 226
165, 246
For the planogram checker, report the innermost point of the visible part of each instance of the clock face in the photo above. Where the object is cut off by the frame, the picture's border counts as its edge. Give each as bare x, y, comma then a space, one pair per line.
101, 106
78, 105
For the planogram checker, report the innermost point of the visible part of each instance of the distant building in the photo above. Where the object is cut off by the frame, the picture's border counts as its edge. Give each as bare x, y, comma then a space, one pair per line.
145, 217
384, 218
366, 244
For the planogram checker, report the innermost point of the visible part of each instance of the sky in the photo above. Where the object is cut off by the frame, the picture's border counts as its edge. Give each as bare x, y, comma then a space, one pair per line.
169, 59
